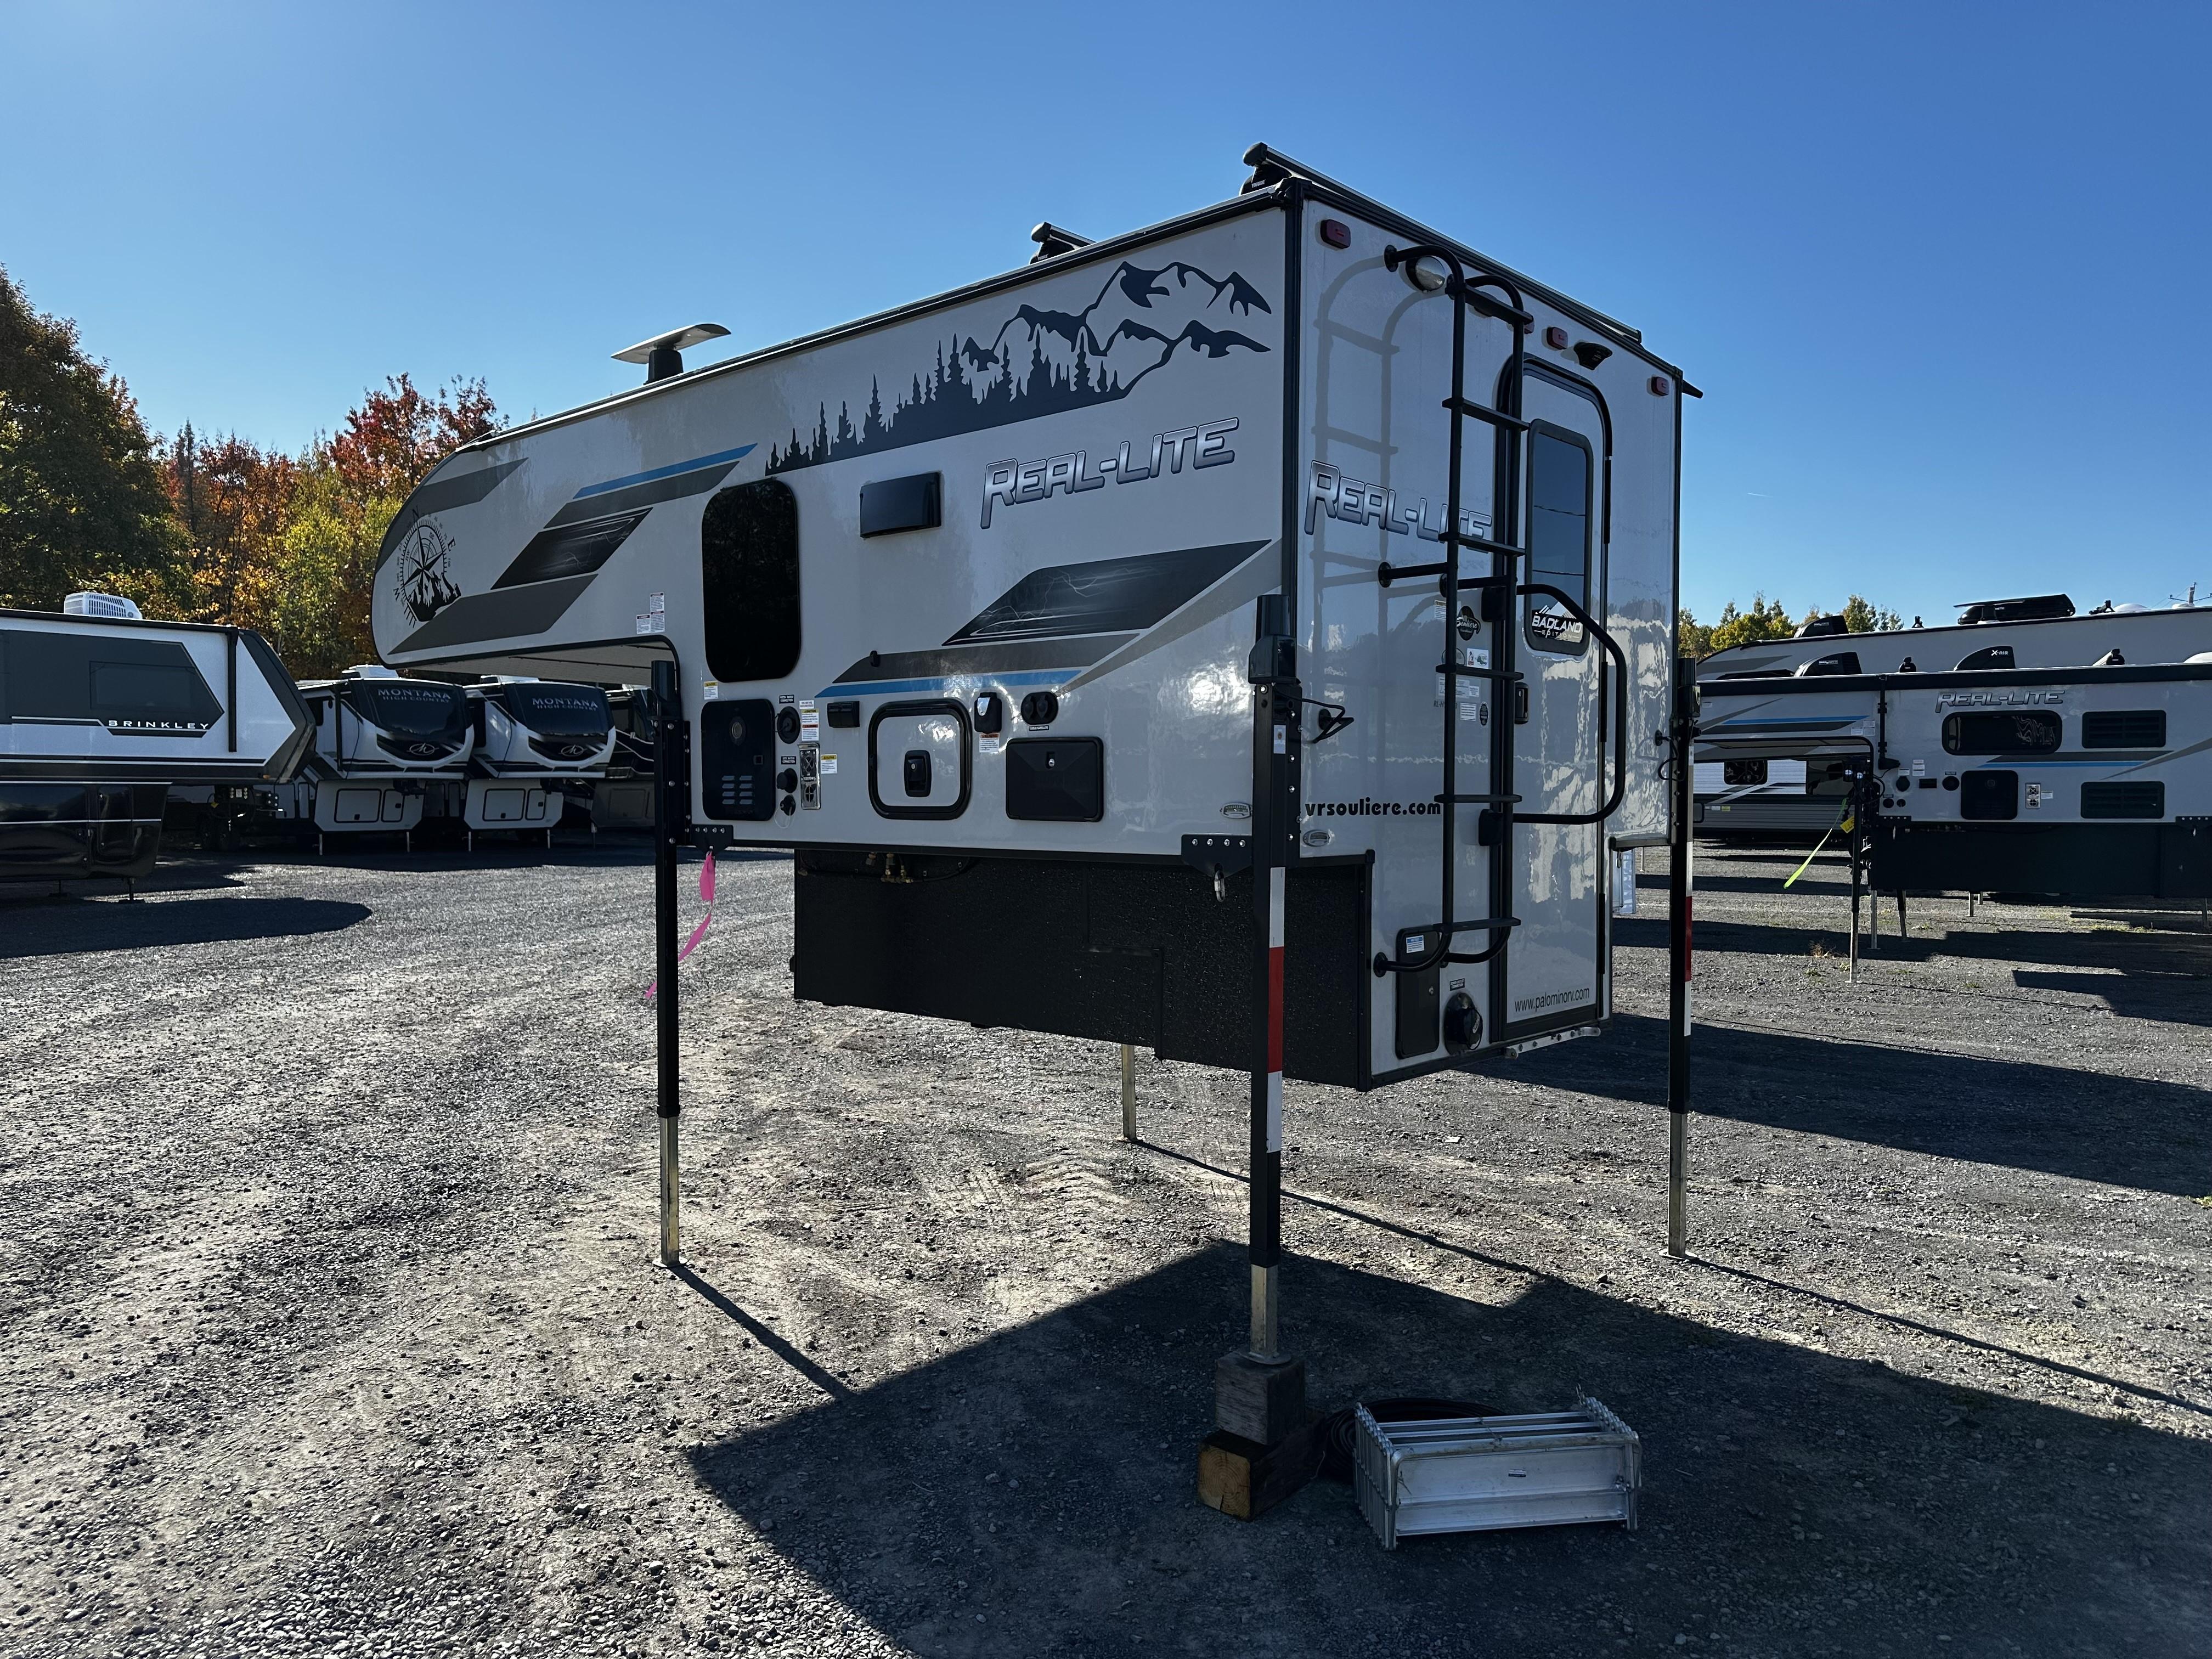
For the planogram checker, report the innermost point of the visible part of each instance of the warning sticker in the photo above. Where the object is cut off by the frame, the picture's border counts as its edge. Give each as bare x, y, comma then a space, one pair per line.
828, 765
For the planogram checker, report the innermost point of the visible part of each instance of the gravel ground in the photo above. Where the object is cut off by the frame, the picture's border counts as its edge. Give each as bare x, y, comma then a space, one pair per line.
326, 1206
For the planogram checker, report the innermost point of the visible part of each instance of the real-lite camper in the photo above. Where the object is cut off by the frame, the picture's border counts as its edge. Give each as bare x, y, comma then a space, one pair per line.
1794, 794
2086, 782
970, 599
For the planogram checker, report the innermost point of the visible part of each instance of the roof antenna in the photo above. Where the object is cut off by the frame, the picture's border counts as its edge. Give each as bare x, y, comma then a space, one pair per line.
662, 355
1053, 240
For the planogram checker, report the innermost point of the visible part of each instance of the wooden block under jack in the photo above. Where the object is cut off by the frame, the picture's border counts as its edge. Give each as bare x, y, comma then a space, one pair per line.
1244, 1478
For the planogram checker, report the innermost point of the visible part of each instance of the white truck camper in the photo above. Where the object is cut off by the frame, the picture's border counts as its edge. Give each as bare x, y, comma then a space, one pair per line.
1786, 795
1246, 637
2077, 783
103, 714
969, 593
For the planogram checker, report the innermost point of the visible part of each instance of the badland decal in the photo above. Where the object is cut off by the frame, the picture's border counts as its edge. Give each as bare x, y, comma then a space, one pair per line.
1041, 362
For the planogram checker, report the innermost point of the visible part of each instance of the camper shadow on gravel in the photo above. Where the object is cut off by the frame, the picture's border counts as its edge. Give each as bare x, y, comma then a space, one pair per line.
2119, 952
1034, 1494
70, 929
2087, 1125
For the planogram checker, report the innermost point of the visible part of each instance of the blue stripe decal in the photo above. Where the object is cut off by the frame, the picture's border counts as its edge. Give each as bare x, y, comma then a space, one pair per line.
1781, 726
665, 471
944, 683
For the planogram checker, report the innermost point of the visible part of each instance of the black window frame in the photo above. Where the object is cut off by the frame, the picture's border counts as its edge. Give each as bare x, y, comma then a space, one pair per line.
1959, 724
728, 608
1530, 638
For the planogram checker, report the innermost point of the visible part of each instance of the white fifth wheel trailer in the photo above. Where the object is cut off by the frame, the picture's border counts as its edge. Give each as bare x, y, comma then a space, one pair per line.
2078, 783
381, 741
1247, 637
102, 714
536, 742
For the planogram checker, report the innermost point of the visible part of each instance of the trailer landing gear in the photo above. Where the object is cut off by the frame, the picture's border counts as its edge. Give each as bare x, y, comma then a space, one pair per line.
1265, 1444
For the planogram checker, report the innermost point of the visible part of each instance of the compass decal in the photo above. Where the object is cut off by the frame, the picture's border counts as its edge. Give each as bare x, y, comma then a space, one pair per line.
425, 586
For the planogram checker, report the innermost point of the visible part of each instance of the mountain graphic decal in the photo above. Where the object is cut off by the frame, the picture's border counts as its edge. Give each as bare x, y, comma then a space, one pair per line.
1041, 362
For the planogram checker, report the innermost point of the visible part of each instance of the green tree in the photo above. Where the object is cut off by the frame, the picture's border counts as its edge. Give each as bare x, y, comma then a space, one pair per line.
1691, 637
1862, 617
83, 503
1765, 620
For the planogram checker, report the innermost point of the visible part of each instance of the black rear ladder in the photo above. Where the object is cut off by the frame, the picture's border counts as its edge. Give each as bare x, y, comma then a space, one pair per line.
1503, 582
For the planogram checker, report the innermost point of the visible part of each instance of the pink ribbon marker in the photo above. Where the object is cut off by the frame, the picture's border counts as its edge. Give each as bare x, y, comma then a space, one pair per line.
706, 897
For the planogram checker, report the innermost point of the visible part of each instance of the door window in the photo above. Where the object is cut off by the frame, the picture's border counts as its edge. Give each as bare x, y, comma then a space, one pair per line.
1561, 475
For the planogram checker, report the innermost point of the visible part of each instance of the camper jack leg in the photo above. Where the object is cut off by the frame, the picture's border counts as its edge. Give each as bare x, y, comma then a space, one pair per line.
1680, 895
1265, 1445
665, 826
1128, 1091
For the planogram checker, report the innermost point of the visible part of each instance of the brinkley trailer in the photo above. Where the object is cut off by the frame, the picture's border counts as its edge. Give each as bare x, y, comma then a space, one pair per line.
102, 714
2077, 783
1246, 637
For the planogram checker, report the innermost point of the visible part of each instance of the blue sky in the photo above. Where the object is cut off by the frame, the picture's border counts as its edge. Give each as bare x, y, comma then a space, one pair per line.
1941, 271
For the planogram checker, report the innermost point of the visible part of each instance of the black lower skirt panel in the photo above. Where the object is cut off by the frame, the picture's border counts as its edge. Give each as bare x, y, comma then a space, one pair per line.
1139, 953
2073, 861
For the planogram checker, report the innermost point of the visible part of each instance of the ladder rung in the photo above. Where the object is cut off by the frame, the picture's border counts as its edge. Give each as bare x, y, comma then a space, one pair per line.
1479, 800
1478, 673
1483, 544
1386, 573
1482, 412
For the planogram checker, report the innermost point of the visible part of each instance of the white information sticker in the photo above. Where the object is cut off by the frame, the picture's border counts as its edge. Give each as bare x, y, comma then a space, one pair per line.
828, 765
709, 690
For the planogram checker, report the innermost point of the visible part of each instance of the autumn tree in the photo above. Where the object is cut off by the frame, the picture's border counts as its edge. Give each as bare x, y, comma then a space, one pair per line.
233, 501
350, 486
82, 501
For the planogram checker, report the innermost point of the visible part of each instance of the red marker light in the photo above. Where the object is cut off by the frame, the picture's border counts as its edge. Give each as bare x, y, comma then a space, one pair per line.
1661, 386
1556, 338
1336, 233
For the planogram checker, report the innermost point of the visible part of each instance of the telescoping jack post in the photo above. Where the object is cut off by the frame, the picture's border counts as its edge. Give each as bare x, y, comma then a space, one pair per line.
1264, 1446
1681, 741
668, 823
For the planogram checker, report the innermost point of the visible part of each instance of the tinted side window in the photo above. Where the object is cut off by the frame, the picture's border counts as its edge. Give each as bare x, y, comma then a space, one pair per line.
1559, 476
144, 690
749, 581
2002, 731
107, 677
2124, 728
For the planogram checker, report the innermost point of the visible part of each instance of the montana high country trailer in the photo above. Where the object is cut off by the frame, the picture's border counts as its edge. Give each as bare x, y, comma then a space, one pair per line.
2072, 782
531, 738
102, 714
623, 797
381, 741
1247, 637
